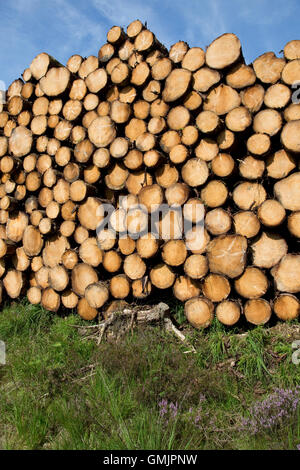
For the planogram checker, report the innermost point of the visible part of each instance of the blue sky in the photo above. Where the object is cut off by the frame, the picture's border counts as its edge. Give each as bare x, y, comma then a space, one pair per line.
66, 27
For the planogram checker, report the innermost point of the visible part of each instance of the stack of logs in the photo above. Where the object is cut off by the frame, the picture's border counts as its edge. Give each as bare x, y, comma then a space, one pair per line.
213, 138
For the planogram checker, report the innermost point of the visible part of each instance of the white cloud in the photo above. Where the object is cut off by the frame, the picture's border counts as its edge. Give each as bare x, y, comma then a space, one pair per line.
66, 27
200, 28
78, 27
121, 12
265, 12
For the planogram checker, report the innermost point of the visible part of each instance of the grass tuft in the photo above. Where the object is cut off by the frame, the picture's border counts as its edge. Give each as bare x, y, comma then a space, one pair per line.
59, 390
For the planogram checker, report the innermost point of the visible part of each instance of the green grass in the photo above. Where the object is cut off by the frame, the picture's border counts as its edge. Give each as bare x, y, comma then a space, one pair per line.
60, 390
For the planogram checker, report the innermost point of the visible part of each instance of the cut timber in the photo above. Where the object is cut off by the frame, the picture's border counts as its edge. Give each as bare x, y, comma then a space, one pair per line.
119, 286
291, 72
83, 275
205, 78
120, 112
267, 121
197, 240
280, 164
196, 266
287, 191
252, 284
214, 194
85, 310
167, 175
147, 245
223, 51
195, 172
185, 288
207, 149
174, 252
226, 139
292, 112
221, 100
134, 267
102, 131
161, 69
294, 224
50, 300
268, 250
246, 223
16, 225
136, 221
69, 259
193, 100
90, 253
58, 278
227, 255
74, 63
259, 144
176, 85
56, 81
178, 118
277, 96
40, 65
54, 249
268, 67
193, 59
69, 299
151, 197
13, 283
162, 276
112, 261
20, 260
32, 241
208, 122
257, 311
271, 213
199, 312
20, 141
177, 194
292, 50
96, 294
238, 119
251, 168
286, 307
134, 28
34, 295
287, 274
116, 177
218, 221
136, 181
141, 288
240, 76
144, 41
253, 98
90, 213
178, 51
290, 136
228, 312
249, 195
96, 80
223, 165
88, 66
216, 287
